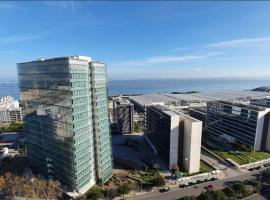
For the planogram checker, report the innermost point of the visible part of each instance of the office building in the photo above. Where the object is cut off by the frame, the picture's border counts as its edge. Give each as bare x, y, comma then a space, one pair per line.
198, 113
175, 136
66, 120
10, 110
263, 102
235, 122
123, 112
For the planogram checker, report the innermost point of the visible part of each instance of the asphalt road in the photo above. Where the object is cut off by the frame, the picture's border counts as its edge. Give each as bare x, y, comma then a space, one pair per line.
177, 193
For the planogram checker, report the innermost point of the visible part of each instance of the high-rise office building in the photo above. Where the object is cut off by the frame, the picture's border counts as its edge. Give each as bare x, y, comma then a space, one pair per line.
176, 137
66, 120
236, 122
123, 112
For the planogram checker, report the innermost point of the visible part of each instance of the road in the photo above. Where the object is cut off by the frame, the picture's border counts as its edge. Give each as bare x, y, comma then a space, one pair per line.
177, 193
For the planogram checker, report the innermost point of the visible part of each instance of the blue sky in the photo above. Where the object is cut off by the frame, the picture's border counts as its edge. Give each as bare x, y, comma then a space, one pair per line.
140, 40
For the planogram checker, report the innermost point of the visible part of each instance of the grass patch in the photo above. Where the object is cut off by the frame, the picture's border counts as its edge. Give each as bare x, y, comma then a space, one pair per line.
204, 167
225, 155
256, 156
246, 156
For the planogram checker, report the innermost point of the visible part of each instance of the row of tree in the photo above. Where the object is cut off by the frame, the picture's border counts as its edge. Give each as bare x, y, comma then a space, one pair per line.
237, 191
97, 192
12, 127
36, 188
147, 181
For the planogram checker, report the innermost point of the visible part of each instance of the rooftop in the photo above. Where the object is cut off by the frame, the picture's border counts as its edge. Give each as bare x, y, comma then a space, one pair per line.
76, 57
202, 97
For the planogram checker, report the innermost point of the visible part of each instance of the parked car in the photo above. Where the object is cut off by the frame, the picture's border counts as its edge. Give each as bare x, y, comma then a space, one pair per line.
209, 187
164, 189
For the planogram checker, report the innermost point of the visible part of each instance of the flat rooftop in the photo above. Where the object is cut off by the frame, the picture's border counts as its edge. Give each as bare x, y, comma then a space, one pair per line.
76, 57
202, 97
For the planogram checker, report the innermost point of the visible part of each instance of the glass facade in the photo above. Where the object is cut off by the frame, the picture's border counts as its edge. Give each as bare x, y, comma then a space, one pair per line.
101, 121
235, 120
57, 96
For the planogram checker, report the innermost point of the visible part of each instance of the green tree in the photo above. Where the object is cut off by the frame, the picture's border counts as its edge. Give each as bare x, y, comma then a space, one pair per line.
158, 180
230, 193
205, 196
255, 183
266, 175
123, 189
94, 193
239, 188
218, 195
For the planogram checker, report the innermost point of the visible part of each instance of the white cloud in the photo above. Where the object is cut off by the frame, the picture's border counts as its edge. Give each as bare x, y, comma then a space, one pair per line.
4, 5
160, 60
240, 42
22, 38
66, 5
166, 59
197, 69
178, 49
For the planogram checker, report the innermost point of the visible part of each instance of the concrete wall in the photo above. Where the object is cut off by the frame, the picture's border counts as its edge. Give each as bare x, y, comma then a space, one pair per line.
267, 143
259, 130
192, 144
174, 146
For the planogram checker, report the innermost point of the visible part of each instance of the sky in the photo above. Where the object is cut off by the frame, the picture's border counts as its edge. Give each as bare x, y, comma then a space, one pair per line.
141, 40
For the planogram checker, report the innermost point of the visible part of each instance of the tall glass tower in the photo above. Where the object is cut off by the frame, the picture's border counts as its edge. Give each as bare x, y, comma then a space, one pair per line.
66, 120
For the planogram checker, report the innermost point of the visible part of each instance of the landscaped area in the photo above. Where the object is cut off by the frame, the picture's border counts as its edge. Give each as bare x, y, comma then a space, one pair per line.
204, 167
124, 182
243, 157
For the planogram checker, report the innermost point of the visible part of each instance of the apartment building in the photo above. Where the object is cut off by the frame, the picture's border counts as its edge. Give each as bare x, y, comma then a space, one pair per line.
175, 136
10, 110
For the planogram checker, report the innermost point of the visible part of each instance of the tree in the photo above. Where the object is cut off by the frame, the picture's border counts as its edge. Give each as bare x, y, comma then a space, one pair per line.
111, 193
123, 189
218, 195
2, 183
94, 193
266, 175
239, 188
230, 193
255, 183
205, 196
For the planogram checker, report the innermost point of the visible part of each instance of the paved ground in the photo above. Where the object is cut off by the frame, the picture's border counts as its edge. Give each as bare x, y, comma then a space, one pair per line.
177, 193
134, 156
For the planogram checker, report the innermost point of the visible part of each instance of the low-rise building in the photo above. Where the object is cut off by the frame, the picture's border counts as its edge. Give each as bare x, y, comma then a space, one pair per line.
176, 137
237, 122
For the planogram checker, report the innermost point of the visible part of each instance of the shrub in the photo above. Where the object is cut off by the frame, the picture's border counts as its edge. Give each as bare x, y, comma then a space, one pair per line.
230, 193
123, 189
94, 193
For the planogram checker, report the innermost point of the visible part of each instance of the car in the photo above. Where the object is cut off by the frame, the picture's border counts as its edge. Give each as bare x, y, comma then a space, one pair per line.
209, 187
164, 189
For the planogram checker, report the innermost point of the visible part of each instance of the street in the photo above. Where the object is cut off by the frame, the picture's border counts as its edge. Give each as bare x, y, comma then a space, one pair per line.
177, 193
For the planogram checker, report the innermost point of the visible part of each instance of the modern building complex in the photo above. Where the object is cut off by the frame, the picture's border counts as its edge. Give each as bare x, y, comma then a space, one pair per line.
123, 112
236, 122
10, 110
66, 120
175, 136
